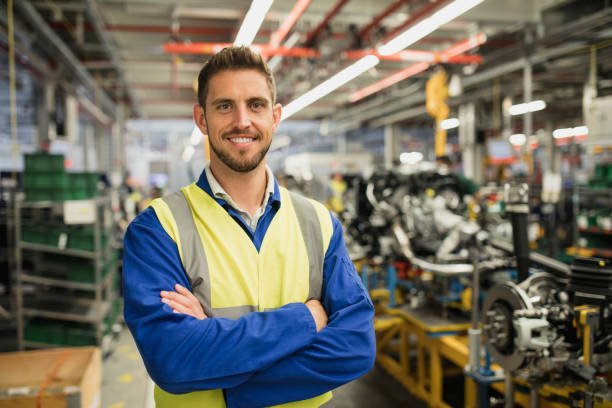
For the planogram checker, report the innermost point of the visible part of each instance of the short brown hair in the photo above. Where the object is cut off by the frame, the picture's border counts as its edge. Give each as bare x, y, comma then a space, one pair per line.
233, 58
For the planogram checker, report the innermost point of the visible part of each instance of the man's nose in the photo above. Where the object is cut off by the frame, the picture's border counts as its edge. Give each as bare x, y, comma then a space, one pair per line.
241, 118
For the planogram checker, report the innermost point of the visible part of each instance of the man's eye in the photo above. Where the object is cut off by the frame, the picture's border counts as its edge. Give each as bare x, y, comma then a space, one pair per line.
224, 106
257, 105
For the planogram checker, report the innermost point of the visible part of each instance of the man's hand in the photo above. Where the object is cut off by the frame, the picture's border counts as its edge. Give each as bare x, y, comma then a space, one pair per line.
183, 301
318, 313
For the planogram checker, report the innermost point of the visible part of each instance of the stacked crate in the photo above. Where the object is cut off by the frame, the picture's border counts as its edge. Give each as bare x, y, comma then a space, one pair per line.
602, 178
45, 179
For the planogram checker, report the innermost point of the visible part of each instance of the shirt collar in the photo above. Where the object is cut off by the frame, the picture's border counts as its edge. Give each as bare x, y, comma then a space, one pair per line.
210, 185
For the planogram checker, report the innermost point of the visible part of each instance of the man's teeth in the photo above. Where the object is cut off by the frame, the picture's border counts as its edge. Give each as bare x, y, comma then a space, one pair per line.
241, 140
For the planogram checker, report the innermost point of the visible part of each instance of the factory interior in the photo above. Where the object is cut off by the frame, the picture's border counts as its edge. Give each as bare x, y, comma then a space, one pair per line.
465, 146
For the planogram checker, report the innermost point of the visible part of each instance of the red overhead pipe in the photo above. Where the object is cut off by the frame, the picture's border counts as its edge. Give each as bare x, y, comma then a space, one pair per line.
388, 81
365, 31
279, 35
417, 55
212, 48
297, 52
311, 35
416, 17
465, 45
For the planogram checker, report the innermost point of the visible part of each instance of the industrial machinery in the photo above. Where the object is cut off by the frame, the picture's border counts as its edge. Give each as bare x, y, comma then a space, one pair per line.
553, 333
421, 223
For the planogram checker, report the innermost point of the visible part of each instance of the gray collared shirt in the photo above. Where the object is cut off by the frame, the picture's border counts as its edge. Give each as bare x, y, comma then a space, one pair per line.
219, 192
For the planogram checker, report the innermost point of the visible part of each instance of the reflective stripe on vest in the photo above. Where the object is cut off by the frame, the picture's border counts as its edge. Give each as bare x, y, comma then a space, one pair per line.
196, 266
232, 277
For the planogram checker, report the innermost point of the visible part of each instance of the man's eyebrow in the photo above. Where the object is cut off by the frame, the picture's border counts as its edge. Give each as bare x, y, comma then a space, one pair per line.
258, 99
221, 100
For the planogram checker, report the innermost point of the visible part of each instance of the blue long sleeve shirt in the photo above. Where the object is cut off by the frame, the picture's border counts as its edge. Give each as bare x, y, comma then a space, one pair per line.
262, 358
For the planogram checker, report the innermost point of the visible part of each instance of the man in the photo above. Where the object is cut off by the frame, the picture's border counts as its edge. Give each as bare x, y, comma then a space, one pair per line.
237, 292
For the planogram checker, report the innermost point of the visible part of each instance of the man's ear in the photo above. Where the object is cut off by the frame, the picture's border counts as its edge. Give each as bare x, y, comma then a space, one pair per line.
199, 118
277, 113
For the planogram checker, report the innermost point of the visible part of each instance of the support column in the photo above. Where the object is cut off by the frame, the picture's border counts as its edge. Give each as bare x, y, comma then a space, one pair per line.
390, 153
470, 152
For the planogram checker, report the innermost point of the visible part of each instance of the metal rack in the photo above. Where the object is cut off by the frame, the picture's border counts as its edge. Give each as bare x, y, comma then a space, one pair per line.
70, 309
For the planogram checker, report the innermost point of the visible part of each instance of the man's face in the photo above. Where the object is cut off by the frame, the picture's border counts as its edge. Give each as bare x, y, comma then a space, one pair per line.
239, 119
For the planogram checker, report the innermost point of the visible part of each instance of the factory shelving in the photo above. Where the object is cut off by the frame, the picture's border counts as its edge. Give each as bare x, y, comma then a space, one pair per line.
72, 276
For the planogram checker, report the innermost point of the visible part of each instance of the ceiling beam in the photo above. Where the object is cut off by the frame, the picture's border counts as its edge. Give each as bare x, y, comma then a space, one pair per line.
416, 17
60, 50
365, 31
330, 14
462, 46
297, 52
95, 17
278, 36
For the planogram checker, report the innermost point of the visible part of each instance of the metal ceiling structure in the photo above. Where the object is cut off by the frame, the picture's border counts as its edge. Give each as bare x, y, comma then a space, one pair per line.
147, 53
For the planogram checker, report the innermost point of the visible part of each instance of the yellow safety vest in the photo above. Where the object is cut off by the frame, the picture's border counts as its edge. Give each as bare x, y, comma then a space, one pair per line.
231, 278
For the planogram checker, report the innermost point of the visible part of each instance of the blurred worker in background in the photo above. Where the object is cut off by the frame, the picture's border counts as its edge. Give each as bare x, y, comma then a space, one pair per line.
237, 292
337, 187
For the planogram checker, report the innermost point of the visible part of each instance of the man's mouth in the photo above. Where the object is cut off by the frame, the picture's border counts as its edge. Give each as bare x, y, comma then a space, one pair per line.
241, 140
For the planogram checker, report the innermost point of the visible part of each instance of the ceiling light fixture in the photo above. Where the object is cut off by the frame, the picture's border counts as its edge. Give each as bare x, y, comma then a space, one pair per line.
411, 157
523, 108
427, 26
414, 69
333, 83
570, 132
450, 123
252, 21
517, 139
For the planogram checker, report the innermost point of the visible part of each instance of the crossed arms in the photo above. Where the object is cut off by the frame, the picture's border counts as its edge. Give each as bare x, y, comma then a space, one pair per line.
261, 359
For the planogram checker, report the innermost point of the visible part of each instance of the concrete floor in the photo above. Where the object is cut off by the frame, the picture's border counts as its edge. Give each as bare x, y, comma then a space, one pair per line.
125, 384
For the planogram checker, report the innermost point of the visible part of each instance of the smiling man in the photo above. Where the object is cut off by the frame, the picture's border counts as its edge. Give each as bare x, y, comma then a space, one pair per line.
239, 293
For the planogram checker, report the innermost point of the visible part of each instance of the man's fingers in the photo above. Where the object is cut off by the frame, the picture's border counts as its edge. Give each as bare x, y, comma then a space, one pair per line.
184, 291
176, 297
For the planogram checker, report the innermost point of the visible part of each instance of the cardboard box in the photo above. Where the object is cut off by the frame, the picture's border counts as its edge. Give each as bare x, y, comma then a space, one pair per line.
71, 378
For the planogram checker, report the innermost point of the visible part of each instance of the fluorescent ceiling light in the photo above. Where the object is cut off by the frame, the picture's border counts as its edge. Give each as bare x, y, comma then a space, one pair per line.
517, 139
411, 157
336, 81
196, 136
523, 108
570, 132
252, 21
450, 123
427, 26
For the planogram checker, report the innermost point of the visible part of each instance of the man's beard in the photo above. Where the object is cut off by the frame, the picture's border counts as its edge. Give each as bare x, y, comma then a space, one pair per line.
240, 164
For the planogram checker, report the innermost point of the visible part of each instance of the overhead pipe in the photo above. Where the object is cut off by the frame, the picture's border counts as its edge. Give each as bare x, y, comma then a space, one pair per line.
417, 55
449, 53
350, 119
365, 31
298, 52
65, 55
416, 17
279, 35
314, 33
95, 17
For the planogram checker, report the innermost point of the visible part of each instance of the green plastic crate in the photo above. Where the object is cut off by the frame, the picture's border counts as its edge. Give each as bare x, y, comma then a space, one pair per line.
44, 331
62, 194
80, 335
34, 234
44, 162
39, 194
60, 180
78, 180
83, 238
